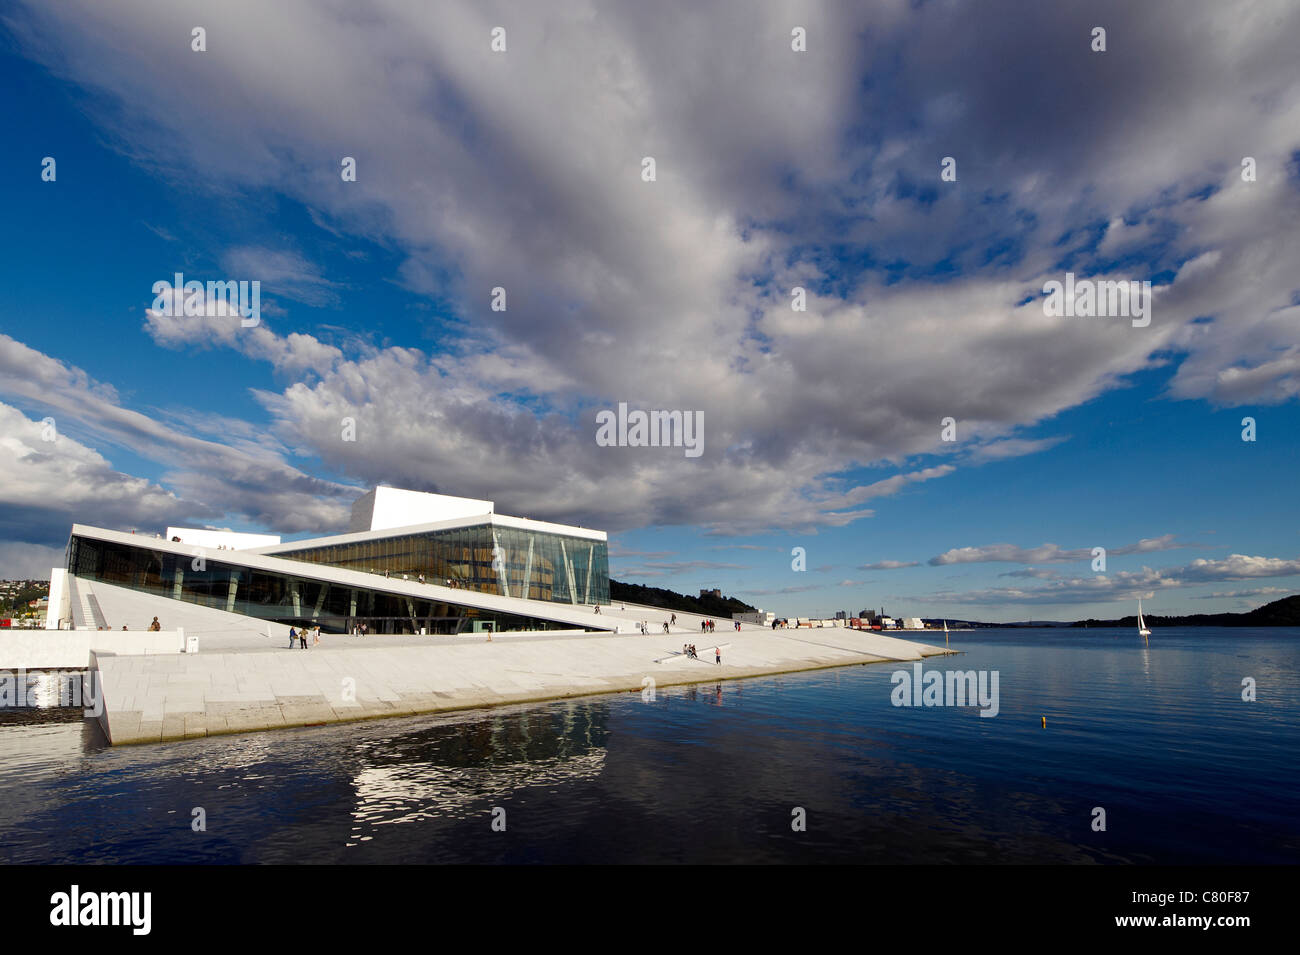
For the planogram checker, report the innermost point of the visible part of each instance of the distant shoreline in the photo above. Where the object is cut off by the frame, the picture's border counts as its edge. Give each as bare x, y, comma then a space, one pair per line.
1280, 613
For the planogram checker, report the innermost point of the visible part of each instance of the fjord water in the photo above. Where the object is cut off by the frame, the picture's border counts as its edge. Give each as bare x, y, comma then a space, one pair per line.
1158, 737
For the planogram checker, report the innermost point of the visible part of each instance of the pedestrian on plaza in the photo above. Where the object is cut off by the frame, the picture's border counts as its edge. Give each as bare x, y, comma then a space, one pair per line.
293, 637
717, 655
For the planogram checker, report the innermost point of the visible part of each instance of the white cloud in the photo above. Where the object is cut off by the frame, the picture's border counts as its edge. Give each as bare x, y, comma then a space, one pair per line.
1046, 553
521, 171
1125, 585
50, 485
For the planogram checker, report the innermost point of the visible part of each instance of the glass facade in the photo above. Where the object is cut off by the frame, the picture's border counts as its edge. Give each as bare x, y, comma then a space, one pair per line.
284, 598
532, 564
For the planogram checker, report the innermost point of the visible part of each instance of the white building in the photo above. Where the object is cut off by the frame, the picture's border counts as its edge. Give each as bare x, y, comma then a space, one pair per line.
413, 563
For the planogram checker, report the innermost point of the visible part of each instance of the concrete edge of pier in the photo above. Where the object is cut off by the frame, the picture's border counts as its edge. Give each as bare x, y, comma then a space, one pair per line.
161, 697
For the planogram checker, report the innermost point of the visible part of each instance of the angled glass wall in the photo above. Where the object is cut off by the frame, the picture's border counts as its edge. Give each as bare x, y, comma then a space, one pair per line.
533, 564
283, 598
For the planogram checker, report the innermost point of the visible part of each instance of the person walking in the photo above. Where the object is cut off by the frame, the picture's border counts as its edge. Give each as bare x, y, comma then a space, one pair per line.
293, 637
717, 655
674, 620
302, 639
316, 633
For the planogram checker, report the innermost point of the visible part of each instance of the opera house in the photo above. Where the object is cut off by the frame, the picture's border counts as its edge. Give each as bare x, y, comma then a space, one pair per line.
411, 562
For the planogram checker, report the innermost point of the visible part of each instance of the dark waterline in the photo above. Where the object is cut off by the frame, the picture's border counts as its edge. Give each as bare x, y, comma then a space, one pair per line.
1160, 738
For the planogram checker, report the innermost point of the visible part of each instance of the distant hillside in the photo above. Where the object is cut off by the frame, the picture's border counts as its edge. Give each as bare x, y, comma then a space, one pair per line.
1279, 613
671, 600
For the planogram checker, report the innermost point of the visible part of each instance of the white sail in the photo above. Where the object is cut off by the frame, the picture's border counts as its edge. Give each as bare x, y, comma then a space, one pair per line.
1142, 626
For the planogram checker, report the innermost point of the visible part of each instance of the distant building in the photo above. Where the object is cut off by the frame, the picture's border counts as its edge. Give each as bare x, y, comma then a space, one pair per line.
763, 618
841, 615
715, 592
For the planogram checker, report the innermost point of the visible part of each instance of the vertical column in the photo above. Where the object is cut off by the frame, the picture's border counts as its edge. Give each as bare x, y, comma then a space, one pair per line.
528, 569
501, 569
568, 569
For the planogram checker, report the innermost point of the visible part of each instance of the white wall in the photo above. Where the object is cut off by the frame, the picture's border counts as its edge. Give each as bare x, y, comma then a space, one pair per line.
388, 507
70, 649
202, 537
60, 605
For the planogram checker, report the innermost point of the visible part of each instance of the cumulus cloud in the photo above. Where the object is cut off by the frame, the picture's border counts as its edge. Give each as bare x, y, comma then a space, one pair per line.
1240, 567
522, 171
1126, 585
1046, 553
52, 484
1239, 594
20, 561
51, 480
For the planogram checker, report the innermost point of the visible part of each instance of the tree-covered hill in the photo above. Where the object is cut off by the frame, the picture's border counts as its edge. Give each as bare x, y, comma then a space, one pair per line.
708, 606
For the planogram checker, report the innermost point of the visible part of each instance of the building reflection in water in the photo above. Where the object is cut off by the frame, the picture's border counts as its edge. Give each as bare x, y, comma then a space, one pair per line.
451, 769
30, 690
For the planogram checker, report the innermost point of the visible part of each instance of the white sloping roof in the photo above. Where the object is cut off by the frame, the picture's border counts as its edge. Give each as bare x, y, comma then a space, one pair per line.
573, 615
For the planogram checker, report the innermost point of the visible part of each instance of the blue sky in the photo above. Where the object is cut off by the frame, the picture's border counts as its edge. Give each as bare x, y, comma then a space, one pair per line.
775, 169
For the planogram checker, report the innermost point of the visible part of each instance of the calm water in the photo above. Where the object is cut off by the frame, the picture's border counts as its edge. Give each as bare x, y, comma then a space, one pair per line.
1161, 739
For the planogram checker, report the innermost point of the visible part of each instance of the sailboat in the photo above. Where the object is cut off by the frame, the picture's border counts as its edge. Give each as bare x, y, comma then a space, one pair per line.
1142, 627
945, 633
